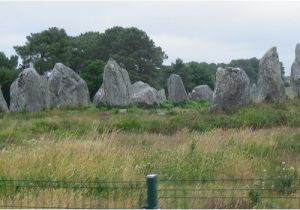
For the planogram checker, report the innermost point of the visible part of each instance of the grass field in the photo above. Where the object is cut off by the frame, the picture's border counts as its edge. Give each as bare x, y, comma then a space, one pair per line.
183, 142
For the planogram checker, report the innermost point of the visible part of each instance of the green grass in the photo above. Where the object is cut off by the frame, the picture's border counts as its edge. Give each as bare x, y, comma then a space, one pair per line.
186, 141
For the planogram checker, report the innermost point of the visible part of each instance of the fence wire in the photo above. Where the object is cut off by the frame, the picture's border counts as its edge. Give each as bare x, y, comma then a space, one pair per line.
229, 193
61, 194
213, 193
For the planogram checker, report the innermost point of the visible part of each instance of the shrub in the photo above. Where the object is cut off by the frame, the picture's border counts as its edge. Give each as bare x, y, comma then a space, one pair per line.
167, 104
280, 178
254, 196
129, 124
190, 104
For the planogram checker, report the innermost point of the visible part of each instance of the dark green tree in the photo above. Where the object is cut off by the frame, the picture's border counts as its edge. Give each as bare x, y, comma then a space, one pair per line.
201, 74
45, 49
92, 73
135, 51
6, 62
7, 76
250, 66
8, 73
86, 46
194, 73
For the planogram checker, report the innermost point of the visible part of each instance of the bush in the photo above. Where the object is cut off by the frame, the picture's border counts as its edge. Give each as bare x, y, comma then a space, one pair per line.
167, 104
190, 104
281, 178
254, 196
129, 124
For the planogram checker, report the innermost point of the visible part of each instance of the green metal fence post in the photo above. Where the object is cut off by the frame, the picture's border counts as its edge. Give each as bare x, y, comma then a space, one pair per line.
151, 192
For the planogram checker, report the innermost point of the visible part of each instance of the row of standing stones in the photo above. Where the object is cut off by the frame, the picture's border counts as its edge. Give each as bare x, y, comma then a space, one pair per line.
63, 87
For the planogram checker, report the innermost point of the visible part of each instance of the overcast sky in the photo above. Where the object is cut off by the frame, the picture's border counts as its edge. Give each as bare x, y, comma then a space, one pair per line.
194, 31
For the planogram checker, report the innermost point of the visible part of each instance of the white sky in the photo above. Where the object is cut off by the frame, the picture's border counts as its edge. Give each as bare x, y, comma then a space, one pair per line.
194, 31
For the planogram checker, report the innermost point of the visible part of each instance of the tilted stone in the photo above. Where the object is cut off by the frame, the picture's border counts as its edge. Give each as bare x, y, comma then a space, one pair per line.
270, 84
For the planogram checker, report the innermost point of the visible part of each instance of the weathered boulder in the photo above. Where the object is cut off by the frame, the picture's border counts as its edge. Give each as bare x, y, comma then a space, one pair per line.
66, 88
116, 84
28, 92
3, 104
295, 72
99, 98
176, 90
201, 92
143, 94
270, 84
232, 89
161, 95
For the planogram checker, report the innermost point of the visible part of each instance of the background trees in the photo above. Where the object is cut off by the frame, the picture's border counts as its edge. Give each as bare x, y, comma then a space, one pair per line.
8, 73
88, 52
92, 73
44, 49
130, 47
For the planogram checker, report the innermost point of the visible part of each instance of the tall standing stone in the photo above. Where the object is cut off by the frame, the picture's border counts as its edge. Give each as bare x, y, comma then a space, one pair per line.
3, 104
232, 89
28, 92
295, 72
176, 90
116, 84
66, 88
270, 84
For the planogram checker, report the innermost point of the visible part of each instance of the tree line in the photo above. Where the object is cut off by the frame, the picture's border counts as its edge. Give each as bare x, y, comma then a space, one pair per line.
88, 52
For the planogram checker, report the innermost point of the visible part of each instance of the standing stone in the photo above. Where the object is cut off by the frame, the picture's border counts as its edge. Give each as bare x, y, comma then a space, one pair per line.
143, 94
176, 90
67, 88
99, 98
253, 92
116, 84
270, 84
161, 95
202, 92
232, 89
295, 72
28, 92
3, 104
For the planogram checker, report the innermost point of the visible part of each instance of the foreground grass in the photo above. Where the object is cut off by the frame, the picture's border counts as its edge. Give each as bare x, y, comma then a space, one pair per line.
123, 156
185, 142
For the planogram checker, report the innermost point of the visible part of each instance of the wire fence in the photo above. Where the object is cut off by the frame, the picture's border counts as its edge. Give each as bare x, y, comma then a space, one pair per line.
62, 194
152, 193
230, 193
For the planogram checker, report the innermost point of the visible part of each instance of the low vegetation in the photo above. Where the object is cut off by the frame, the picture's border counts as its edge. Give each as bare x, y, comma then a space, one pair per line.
177, 142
